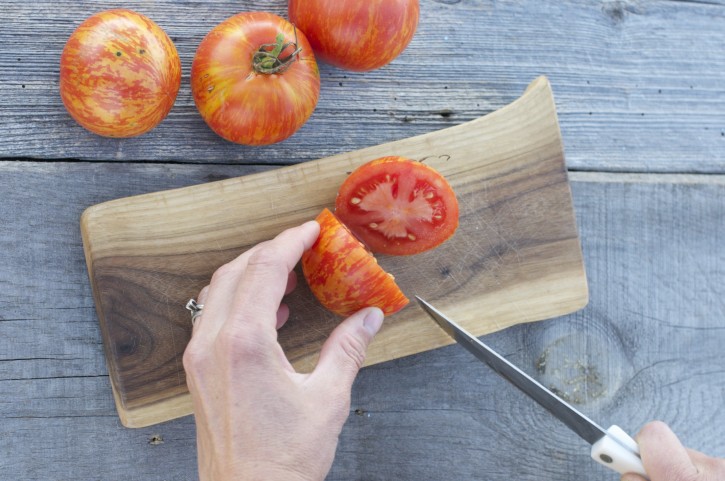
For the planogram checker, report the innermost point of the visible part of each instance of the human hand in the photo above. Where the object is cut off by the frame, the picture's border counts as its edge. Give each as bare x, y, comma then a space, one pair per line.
256, 418
666, 459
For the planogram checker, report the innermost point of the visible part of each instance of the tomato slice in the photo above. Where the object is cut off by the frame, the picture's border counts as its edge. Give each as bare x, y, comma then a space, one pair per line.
398, 206
344, 276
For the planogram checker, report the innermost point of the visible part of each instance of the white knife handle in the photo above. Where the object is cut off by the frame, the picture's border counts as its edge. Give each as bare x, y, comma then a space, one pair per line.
619, 452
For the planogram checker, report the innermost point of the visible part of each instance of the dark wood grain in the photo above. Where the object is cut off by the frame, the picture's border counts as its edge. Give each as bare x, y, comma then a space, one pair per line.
638, 84
652, 333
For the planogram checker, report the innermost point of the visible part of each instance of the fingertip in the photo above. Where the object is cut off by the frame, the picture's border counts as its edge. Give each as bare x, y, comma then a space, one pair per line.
311, 230
655, 430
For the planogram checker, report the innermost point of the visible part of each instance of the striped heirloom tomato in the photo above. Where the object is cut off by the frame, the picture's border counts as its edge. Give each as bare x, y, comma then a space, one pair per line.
255, 79
344, 276
356, 35
119, 74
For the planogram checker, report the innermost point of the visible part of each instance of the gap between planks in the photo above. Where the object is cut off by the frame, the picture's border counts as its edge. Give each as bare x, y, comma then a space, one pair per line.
646, 178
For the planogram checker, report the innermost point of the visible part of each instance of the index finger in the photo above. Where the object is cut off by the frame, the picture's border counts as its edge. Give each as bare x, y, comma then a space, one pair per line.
265, 277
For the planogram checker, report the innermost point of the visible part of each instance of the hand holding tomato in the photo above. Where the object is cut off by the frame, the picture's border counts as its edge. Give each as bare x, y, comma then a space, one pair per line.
119, 74
256, 417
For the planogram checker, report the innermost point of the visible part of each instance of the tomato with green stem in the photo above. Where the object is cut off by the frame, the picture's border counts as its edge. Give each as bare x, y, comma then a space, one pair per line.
398, 206
255, 79
344, 276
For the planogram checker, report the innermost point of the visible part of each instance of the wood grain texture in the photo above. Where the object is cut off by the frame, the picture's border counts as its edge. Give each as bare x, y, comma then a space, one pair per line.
517, 239
640, 85
652, 333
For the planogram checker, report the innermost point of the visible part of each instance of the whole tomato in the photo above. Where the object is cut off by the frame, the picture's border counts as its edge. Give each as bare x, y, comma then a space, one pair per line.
344, 276
255, 79
356, 35
119, 74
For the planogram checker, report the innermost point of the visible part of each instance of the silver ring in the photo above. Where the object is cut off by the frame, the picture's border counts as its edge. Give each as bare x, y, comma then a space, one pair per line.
195, 309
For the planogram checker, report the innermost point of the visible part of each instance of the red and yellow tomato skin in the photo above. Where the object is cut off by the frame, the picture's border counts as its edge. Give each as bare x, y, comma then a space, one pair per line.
242, 105
398, 206
344, 276
119, 74
356, 35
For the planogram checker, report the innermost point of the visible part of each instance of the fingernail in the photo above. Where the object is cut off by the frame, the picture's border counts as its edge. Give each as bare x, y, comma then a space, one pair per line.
373, 320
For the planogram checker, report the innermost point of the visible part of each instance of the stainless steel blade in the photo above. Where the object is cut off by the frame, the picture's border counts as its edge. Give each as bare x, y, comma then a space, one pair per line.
576, 421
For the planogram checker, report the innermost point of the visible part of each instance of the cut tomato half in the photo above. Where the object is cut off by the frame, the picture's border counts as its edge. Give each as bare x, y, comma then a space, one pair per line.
344, 276
398, 206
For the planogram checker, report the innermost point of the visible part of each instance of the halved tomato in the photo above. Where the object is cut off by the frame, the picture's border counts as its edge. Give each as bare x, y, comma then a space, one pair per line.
398, 206
344, 276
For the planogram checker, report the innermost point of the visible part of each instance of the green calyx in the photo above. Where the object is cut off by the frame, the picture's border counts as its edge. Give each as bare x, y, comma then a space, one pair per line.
267, 59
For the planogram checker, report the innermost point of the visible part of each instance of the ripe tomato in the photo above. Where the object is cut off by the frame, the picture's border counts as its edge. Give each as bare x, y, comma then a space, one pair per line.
255, 79
119, 74
398, 206
344, 276
356, 35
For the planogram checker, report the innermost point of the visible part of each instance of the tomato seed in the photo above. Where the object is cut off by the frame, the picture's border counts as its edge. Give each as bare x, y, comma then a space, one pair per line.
411, 237
355, 201
373, 225
429, 195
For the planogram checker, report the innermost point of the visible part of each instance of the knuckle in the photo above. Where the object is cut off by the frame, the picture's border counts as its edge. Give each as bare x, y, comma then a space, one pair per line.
267, 256
222, 273
238, 344
194, 357
354, 349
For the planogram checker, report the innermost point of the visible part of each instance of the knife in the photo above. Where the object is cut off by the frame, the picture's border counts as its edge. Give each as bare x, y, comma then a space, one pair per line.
612, 448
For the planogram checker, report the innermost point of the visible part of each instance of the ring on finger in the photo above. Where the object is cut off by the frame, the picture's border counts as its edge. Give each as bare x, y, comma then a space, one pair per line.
195, 309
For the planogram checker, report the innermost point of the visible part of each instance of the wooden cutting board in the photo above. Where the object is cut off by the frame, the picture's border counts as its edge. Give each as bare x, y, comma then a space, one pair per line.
515, 258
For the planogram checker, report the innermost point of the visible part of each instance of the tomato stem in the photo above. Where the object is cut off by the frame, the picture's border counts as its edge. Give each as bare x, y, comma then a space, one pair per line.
267, 59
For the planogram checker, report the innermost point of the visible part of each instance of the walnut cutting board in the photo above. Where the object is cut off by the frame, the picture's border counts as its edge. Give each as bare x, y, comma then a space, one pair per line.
515, 257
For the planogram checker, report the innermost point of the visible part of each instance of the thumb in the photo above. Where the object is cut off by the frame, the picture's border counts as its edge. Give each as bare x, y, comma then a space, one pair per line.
663, 456
343, 353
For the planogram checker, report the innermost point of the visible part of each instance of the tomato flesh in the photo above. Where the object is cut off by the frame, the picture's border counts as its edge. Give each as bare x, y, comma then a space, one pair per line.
398, 206
344, 276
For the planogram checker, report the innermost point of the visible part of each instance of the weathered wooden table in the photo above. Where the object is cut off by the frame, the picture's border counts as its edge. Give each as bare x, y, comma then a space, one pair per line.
640, 88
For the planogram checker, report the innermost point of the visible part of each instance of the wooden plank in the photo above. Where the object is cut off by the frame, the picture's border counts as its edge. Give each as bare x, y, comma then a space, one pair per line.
517, 237
652, 333
640, 86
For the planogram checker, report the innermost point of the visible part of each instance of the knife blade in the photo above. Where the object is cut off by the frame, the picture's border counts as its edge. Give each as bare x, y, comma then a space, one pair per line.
612, 448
